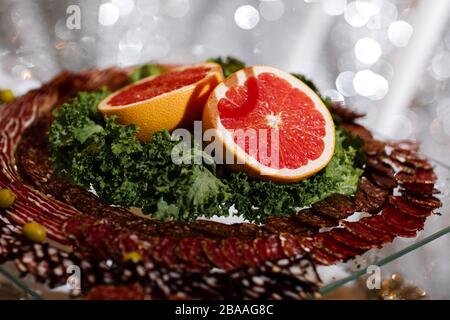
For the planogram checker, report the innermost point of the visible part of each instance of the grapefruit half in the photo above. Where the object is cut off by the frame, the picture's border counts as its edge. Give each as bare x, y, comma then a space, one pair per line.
295, 133
167, 101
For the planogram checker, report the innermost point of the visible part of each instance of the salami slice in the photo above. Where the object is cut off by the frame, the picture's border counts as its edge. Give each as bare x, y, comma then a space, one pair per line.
336, 206
421, 176
378, 224
410, 158
401, 204
232, 251
359, 131
374, 147
370, 198
384, 182
362, 231
168, 256
309, 217
318, 255
397, 165
217, 229
190, 250
251, 259
402, 220
377, 166
348, 238
285, 224
274, 250
430, 203
215, 256
419, 188
290, 245
259, 244
338, 249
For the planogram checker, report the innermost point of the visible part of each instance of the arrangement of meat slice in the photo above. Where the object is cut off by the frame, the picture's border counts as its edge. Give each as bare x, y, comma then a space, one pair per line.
397, 190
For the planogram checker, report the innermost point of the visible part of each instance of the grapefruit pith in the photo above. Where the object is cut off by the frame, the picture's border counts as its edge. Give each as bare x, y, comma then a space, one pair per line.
167, 101
294, 130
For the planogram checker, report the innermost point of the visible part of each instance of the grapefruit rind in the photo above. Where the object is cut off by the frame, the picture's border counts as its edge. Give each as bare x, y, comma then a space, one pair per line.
245, 162
170, 110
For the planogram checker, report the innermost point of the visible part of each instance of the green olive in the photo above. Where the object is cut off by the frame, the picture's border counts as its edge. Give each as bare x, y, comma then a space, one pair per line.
34, 232
7, 96
132, 256
7, 198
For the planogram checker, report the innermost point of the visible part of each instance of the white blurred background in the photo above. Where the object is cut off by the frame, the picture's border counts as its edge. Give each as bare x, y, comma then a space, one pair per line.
387, 58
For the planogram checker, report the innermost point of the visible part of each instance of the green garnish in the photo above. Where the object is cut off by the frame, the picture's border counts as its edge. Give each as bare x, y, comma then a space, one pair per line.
229, 64
99, 153
146, 70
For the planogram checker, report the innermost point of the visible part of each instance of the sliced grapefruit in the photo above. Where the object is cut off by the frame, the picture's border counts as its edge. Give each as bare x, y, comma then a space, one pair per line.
167, 101
298, 135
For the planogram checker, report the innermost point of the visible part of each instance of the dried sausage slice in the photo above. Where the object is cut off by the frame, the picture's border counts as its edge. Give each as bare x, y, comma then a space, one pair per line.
348, 238
430, 203
382, 181
285, 224
378, 224
327, 243
401, 204
336, 206
232, 251
402, 220
290, 245
362, 231
309, 217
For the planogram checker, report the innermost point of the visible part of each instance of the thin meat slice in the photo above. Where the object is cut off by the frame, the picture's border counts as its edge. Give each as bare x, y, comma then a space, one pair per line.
215, 256
319, 255
402, 220
285, 225
344, 236
384, 182
232, 251
378, 224
336, 206
362, 231
309, 217
340, 250
403, 205
290, 245
430, 203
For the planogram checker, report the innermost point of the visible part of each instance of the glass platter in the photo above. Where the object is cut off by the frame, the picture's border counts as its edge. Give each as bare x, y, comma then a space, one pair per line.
419, 257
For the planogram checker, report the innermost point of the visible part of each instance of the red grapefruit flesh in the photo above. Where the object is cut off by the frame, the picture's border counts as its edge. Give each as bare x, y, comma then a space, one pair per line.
274, 105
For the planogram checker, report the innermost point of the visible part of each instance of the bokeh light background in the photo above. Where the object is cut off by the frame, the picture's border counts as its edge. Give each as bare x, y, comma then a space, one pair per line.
387, 58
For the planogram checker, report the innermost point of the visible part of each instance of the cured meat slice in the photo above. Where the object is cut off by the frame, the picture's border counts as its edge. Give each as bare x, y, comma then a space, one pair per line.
362, 231
359, 131
336, 206
374, 147
285, 224
382, 181
402, 220
410, 158
376, 165
378, 224
370, 198
421, 176
419, 188
215, 256
190, 250
397, 165
424, 202
232, 251
401, 204
274, 250
348, 238
309, 217
319, 255
338, 249
290, 245
251, 259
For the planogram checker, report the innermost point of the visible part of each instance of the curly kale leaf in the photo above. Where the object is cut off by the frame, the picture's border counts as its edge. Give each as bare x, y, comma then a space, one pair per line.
99, 153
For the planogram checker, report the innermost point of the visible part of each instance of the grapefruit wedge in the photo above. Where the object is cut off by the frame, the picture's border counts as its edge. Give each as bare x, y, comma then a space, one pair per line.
167, 101
294, 130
